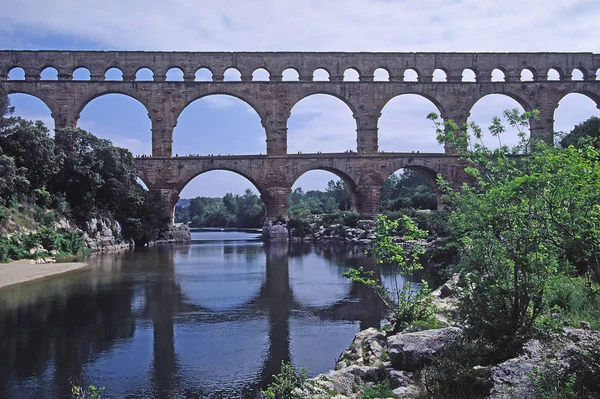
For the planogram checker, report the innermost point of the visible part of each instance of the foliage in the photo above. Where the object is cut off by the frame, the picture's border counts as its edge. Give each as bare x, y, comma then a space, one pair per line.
574, 298
410, 189
18, 246
91, 392
585, 133
407, 302
382, 389
285, 383
531, 212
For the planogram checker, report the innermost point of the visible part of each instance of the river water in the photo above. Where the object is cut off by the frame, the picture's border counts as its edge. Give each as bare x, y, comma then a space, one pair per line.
213, 319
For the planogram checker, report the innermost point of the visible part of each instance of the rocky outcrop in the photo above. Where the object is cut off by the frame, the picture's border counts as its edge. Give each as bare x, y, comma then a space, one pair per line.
373, 359
565, 353
104, 235
413, 351
175, 235
275, 232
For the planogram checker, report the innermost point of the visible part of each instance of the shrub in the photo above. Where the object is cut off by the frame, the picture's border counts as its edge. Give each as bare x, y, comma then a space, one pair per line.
350, 218
285, 383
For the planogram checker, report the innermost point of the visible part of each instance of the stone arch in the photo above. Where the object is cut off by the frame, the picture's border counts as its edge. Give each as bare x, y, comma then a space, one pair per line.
49, 73
81, 73
578, 74
290, 75
498, 75
203, 74
528, 75
225, 113
439, 75
554, 74
190, 174
573, 108
414, 108
430, 176
321, 75
469, 75
261, 75
493, 104
17, 72
174, 74
29, 106
112, 73
232, 75
309, 122
411, 75
351, 75
381, 75
144, 74
351, 184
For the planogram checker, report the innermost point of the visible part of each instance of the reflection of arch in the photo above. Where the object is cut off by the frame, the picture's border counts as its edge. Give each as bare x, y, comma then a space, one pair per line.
350, 182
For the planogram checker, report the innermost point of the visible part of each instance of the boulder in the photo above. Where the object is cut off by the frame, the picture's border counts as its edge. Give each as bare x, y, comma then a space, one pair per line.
367, 349
175, 235
275, 232
413, 351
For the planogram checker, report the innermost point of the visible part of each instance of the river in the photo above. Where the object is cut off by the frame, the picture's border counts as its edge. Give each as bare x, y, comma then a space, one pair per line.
213, 319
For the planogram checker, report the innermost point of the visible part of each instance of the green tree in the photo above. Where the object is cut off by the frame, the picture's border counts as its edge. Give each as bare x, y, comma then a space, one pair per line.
587, 132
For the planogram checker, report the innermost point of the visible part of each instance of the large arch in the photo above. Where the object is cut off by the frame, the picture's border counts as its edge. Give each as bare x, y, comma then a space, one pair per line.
573, 109
318, 179
404, 127
120, 118
493, 105
321, 122
31, 107
220, 182
226, 125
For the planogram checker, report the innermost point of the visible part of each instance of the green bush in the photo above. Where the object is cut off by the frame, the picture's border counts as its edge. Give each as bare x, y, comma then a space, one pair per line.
285, 383
382, 389
574, 298
301, 225
350, 218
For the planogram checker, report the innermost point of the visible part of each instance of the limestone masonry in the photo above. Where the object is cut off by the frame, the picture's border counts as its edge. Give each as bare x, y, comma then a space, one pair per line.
274, 173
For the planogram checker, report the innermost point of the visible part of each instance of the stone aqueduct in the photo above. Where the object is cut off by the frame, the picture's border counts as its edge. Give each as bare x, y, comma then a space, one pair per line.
274, 173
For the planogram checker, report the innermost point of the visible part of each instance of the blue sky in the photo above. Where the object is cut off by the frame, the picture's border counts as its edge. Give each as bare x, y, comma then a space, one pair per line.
221, 124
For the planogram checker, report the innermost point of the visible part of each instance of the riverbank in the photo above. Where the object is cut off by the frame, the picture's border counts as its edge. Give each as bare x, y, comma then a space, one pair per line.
25, 270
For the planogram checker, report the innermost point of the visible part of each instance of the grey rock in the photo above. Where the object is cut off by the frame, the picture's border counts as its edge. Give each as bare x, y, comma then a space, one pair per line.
366, 349
413, 351
275, 232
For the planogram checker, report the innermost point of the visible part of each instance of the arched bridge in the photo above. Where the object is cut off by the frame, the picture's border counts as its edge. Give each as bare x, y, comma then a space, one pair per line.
273, 173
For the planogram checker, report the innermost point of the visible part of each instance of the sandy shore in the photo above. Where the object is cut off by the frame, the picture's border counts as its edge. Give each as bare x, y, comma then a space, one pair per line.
21, 271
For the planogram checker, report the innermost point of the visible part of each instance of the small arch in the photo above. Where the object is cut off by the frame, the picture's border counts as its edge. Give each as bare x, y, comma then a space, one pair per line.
439, 75
232, 75
144, 74
49, 73
321, 123
527, 75
113, 74
411, 75
320, 75
598, 74
577, 74
351, 75
261, 75
553, 74
174, 74
319, 179
381, 75
469, 75
410, 188
290, 75
31, 107
498, 75
81, 73
16, 73
203, 75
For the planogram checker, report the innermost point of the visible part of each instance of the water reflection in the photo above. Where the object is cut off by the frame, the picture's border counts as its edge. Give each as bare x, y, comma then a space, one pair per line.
212, 319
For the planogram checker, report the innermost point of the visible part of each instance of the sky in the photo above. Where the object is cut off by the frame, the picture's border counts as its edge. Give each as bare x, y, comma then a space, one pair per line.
223, 125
